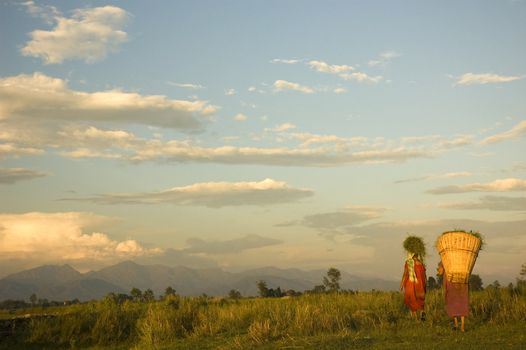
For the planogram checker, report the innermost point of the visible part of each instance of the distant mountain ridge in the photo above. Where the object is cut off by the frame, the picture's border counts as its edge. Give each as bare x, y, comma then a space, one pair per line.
59, 283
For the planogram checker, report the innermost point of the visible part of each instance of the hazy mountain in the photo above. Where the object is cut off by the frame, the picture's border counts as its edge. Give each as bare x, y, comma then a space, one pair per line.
65, 283
46, 275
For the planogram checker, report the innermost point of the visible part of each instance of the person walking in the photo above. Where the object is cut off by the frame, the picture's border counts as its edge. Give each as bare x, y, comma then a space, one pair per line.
414, 285
456, 299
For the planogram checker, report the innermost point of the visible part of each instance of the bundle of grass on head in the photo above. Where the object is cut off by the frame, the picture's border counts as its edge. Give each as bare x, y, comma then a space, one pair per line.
415, 245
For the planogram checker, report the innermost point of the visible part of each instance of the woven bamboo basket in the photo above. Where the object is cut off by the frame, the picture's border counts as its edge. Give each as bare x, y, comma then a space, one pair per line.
458, 251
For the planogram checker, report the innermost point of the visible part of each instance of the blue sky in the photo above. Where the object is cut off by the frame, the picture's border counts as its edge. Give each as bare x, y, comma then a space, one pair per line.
222, 133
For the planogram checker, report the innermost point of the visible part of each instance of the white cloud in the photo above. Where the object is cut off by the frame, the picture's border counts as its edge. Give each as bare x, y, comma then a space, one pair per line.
343, 71
230, 92
436, 177
90, 153
310, 139
212, 194
60, 237
285, 61
456, 174
334, 151
317, 157
92, 134
186, 85
324, 67
281, 85
517, 131
12, 150
79, 141
361, 77
12, 175
384, 59
284, 127
40, 98
47, 13
484, 78
89, 35
339, 90
240, 117
252, 88
500, 185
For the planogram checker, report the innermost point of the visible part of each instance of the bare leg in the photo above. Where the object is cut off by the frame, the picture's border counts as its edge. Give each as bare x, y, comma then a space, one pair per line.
462, 323
455, 320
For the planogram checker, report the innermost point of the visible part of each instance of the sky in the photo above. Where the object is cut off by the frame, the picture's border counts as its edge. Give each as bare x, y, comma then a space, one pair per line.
244, 134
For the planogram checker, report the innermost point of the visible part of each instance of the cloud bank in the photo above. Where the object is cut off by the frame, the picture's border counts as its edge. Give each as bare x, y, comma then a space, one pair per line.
231, 246
499, 203
12, 175
517, 131
40, 98
500, 185
60, 237
212, 195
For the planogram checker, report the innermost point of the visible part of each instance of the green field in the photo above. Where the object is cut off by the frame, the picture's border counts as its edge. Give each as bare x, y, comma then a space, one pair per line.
364, 320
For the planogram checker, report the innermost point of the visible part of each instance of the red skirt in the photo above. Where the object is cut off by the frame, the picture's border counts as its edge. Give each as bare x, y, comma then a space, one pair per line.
457, 299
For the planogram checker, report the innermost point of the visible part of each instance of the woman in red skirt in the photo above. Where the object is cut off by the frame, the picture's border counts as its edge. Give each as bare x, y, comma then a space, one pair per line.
457, 298
414, 285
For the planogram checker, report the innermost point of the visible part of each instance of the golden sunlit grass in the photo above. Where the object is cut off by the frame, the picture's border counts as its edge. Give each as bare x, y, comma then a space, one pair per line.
306, 322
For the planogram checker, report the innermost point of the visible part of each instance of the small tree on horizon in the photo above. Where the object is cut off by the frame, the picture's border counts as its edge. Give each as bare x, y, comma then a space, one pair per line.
495, 284
262, 289
148, 295
33, 299
521, 280
169, 291
319, 288
332, 280
136, 294
475, 282
234, 294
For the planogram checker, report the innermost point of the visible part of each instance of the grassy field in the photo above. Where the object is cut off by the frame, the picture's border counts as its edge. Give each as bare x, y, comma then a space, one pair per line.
372, 320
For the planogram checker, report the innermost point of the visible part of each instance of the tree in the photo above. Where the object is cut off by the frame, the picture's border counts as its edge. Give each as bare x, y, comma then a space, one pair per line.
495, 284
148, 295
521, 281
234, 294
169, 291
136, 294
332, 280
475, 282
319, 288
33, 299
262, 288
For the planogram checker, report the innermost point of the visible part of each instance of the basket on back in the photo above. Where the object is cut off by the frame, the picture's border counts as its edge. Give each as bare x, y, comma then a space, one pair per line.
458, 251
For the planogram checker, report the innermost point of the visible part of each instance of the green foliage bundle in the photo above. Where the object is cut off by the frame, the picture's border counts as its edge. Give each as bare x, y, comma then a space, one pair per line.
415, 245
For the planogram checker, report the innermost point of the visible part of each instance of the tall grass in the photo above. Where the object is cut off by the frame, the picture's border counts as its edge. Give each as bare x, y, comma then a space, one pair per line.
258, 320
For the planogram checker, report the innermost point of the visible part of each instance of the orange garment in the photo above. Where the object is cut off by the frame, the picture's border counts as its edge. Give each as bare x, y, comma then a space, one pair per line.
415, 291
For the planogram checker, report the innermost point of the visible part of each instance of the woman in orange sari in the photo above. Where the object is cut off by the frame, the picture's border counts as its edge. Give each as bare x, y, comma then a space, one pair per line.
414, 285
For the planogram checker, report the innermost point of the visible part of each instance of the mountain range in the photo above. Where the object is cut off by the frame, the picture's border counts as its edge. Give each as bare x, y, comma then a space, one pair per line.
63, 282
